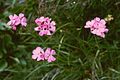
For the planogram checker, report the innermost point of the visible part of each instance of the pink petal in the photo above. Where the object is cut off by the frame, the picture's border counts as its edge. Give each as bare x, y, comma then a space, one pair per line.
88, 23
21, 15
48, 32
35, 51
23, 21
46, 55
48, 50
52, 28
51, 59
53, 23
53, 52
11, 17
102, 35
39, 49
98, 32
9, 23
37, 21
14, 27
87, 26
92, 22
42, 19
42, 32
34, 56
103, 21
37, 29
16, 21
106, 30
102, 29
94, 31
40, 57
97, 19
15, 16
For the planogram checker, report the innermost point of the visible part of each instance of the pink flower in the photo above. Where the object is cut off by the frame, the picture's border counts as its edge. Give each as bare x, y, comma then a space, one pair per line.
17, 20
49, 55
97, 26
40, 54
23, 19
45, 26
14, 21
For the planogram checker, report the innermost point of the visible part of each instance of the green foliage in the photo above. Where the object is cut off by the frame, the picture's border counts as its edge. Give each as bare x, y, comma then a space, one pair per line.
80, 55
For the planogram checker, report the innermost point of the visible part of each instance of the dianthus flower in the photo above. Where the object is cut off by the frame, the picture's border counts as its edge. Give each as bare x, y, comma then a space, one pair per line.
23, 19
97, 26
17, 20
40, 54
45, 26
49, 55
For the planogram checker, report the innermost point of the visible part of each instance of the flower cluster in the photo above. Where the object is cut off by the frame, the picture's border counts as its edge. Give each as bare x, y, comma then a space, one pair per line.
97, 26
16, 20
42, 55
45, 26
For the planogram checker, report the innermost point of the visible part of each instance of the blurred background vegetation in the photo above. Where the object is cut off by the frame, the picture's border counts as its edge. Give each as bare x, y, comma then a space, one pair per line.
80, 55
